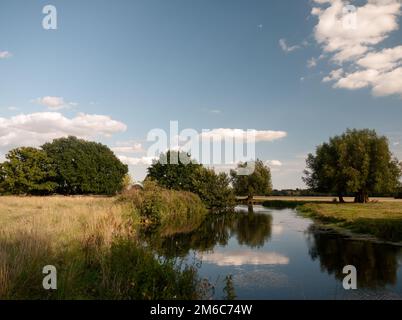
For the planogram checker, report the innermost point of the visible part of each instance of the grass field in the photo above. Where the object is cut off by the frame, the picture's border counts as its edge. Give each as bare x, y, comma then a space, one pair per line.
92, 242
382, 219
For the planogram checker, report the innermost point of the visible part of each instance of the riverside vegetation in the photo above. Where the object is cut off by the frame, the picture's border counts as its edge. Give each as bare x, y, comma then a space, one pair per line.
93, 242
97, 243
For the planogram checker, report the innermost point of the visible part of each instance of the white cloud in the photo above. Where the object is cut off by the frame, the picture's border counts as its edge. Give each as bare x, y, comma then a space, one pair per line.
386, 59
54, 103
37, 128
274, 163
286, 48
333, 75
132, 161
5, 54
364, 65
311, 63
259, 135
131, 148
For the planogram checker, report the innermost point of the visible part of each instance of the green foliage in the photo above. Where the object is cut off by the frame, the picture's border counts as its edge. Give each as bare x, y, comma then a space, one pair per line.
27, 171
125, 271
85, 167
175, 170
257, 183
358, 161
168, 209
214, 190
137, 274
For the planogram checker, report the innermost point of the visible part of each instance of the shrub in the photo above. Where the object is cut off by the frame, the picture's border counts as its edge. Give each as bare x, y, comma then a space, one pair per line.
170, 209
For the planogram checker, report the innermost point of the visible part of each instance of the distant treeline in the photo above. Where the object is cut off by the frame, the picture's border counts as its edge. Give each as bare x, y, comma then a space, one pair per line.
66, 166
311, 193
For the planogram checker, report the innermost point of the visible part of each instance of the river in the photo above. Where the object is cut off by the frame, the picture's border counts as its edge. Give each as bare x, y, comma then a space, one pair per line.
277, 254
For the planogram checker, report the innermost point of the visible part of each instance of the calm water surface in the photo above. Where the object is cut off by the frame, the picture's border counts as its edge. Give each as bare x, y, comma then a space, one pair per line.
276, 254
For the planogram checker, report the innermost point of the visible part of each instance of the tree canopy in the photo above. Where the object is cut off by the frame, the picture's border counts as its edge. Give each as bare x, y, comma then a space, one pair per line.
176, 170
27, 171
358, 161
85, 167
257, 183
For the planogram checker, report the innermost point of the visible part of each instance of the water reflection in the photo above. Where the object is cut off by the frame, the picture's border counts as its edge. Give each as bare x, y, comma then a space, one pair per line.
272, 253
250, 228
242, 257
376, 264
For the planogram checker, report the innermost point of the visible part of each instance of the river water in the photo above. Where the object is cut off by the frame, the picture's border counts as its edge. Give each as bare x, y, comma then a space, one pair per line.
277, 254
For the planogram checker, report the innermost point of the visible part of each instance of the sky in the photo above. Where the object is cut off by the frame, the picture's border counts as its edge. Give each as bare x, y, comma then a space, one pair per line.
296, 72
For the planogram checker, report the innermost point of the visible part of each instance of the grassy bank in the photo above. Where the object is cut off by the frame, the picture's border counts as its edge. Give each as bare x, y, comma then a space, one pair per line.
382, 220
92, 241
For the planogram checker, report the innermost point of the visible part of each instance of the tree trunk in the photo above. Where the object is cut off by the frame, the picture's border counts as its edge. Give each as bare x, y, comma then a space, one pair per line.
250, 200
361, 197
341, 200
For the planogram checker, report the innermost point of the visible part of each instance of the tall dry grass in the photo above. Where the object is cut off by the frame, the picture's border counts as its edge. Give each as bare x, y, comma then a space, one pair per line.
36, 231
92, 242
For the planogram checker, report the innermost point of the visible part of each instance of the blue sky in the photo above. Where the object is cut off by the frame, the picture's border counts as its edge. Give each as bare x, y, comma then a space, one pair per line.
208, 64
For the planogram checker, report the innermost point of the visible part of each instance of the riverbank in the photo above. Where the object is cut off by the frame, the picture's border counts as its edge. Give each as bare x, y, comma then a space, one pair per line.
382, 220
93, 243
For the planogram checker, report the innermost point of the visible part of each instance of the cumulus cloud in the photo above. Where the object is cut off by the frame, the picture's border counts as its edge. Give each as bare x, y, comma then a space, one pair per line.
133, 161
54, 103
5, 54
37, 128
259, 135
352, 41
129, 148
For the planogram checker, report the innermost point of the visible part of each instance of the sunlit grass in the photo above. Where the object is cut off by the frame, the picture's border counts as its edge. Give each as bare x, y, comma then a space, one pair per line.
92, 242
381, 219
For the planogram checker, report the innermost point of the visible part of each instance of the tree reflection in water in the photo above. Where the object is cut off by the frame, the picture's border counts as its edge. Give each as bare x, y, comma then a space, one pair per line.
250, 228
376, 264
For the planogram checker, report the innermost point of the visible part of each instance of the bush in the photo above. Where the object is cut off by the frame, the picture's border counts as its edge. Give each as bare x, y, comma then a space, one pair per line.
169, 209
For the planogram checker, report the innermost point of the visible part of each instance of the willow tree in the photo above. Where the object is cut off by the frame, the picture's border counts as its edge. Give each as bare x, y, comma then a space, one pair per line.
257, 183
358, 162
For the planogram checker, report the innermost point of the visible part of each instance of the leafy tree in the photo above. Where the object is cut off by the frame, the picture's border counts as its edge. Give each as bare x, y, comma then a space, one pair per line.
214, 190
257, 183
358, 161
176, 170
27, 171
85, 167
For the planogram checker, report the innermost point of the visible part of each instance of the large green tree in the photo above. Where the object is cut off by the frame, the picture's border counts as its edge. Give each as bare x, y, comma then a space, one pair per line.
358, 161
85, 167
176, 170
27, 171
257, 183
